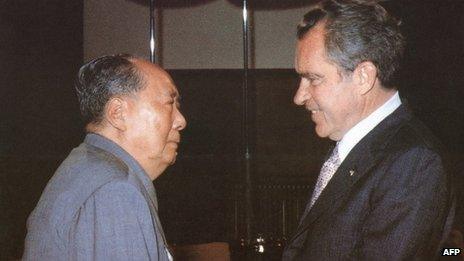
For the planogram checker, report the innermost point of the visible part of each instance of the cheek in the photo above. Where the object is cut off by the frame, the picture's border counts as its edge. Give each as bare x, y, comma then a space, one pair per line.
333, 110
160, 130
147, 130
163, 124
343, 107
327, 102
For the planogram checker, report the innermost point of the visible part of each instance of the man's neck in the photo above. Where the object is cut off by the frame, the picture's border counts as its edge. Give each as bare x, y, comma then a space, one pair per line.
357, 132
148, 165
376, 100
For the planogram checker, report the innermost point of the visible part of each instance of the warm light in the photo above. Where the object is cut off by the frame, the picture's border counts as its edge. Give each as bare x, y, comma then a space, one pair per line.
152, 45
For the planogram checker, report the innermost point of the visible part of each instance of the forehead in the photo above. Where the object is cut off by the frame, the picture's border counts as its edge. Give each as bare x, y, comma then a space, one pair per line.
157, 80
310, 51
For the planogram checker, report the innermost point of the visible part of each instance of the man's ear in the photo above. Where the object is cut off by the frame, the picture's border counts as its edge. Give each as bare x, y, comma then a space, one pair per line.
115, 113
365, 76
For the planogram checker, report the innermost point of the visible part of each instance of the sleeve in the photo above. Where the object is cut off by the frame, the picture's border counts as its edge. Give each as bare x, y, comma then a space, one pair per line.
408, 209
110, 225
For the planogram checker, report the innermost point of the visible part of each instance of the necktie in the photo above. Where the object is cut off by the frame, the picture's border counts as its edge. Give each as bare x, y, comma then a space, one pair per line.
327, 171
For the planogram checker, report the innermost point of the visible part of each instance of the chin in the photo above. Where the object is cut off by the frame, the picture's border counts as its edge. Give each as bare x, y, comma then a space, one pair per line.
172, 161
172, 158
321, 133
327, 133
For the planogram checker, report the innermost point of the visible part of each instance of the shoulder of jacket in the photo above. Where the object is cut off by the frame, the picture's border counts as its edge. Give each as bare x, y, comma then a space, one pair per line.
413, 134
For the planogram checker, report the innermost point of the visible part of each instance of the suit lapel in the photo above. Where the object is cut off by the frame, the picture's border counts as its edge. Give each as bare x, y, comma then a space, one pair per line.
327, 156
349, 172
361, 159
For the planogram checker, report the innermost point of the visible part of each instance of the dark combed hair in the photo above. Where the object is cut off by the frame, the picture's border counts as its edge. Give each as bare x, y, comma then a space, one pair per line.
103, 78
358, 31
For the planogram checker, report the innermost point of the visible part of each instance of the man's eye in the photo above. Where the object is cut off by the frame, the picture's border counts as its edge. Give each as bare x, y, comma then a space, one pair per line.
315, 81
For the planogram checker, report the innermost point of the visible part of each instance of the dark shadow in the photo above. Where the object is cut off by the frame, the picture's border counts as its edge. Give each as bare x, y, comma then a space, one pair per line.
273, 4
255, 4
41, 51
159, 31
172, 3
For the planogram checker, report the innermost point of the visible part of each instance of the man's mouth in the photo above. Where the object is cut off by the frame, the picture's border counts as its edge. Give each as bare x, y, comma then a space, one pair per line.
175, 140
315, 114
312, 109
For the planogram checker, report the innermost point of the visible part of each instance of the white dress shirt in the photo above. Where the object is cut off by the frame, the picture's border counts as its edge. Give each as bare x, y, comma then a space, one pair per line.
355, 134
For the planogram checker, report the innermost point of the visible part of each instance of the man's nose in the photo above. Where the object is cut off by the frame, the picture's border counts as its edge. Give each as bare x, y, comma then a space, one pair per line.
302, 94
179, 122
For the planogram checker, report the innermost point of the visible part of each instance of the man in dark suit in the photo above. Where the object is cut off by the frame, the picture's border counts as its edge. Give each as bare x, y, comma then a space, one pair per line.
101, 204
382, 193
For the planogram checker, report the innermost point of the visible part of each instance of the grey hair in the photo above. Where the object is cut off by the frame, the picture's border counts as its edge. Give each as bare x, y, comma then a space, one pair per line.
358, 31
103, 78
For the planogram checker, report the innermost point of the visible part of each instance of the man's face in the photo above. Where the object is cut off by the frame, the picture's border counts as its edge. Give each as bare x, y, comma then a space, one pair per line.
153, 118
329, 97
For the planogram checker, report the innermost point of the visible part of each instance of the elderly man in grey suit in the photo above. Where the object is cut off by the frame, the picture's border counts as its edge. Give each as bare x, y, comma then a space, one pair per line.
383, 192
101, 204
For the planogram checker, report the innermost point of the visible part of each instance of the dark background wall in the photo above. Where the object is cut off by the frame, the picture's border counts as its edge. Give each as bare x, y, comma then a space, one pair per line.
41, 50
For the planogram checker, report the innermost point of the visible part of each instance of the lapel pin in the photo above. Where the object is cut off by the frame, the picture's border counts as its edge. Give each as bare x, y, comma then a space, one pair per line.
351, 172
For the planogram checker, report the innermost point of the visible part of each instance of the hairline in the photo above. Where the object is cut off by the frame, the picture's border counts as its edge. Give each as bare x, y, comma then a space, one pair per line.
132, 94
323, 23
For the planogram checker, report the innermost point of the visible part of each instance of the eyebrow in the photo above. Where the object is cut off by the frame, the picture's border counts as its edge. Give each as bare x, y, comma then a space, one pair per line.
176, 96
310, 75
172, 94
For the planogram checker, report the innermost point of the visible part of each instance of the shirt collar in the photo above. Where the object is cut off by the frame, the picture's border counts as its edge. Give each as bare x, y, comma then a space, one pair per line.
113, 148
356, 133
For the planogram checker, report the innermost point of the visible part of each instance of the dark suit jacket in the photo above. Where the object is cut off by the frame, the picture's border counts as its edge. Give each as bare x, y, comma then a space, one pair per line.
389, 199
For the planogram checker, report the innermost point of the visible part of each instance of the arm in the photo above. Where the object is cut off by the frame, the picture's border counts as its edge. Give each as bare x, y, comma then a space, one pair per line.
408, 209
111, 225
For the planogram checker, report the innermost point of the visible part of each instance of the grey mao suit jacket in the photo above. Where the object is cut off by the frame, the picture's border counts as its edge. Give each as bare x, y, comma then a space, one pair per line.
99, 205
389, 200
